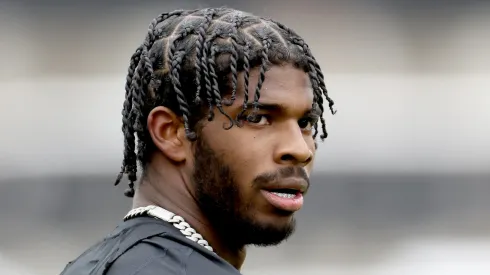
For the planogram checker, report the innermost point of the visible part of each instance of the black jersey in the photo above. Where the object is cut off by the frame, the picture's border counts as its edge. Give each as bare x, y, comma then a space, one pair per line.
148, 246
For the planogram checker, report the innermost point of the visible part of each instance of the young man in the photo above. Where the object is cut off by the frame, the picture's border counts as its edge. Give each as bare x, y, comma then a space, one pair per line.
225, 107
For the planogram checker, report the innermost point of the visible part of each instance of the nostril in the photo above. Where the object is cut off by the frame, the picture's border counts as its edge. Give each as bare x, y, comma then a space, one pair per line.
308, 160
287, 157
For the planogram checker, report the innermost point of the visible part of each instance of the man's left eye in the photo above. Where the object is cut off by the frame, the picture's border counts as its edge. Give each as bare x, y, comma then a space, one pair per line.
258, 120
305, 123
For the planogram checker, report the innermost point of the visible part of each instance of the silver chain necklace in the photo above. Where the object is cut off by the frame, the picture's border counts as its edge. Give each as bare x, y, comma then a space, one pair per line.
177, 221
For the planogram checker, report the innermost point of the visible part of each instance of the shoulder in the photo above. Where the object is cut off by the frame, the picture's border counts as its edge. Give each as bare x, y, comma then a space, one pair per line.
168, 256
132, 245
156, 255
146, 246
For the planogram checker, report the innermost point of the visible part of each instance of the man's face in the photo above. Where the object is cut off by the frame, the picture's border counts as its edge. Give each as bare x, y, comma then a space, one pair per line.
250, 180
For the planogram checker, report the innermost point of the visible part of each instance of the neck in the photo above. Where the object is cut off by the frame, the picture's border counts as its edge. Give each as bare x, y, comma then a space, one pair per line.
173, 193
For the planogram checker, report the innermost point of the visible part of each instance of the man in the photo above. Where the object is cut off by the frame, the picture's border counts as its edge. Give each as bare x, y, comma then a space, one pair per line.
225, 107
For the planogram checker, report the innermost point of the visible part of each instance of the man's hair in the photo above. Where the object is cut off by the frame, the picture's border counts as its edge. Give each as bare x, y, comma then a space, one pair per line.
190, 59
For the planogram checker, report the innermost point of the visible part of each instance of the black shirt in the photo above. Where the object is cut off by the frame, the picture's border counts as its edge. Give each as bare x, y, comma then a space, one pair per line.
148, 246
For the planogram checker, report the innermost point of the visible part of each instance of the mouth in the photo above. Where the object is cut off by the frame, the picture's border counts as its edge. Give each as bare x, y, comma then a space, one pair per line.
288, 202
286, 195
288, 187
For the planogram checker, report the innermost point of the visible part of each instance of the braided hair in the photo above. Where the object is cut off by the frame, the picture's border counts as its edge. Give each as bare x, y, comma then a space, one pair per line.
190, 59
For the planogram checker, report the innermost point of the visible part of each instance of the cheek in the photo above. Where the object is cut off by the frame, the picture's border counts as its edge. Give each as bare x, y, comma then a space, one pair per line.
247, 153
309, 169
232, 148
246, 162
311, 144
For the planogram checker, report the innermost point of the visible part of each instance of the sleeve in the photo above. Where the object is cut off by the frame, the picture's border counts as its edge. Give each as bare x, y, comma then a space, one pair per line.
199, 264
151, 259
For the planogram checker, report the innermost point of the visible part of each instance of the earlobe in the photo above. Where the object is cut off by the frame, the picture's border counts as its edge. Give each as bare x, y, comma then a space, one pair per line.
165, 129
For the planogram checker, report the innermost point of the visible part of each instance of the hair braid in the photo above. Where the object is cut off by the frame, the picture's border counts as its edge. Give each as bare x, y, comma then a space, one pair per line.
317, 97
175, 59
199, 48
324, 88
129, 140
205, 70
309, 55
132, 117
297, 40
318, 71
149, 77
144, 72
313, 65
263, 67
131, 124
142, 77
246, 75
148, 72
233, 61
130, 158
217, 94
317, 93
134, 127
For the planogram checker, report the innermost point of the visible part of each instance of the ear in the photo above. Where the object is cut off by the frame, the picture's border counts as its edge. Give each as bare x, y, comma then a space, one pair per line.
167, 132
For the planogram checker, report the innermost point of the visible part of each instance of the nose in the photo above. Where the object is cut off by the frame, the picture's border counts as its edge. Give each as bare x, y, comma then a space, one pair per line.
293, 149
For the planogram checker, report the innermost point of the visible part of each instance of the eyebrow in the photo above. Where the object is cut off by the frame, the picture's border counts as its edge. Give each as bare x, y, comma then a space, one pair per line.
266, 106
278, 107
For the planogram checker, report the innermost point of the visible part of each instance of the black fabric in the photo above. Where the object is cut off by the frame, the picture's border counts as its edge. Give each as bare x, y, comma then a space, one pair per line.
147, 246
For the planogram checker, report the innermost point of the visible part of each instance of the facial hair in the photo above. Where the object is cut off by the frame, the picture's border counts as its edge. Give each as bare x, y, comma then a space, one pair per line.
221, 201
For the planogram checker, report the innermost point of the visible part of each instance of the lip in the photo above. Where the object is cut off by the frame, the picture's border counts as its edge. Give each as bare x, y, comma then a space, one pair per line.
291, 204
297, 184
286, 204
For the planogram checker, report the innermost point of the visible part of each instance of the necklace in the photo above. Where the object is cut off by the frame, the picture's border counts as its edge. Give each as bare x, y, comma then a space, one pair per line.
177, 221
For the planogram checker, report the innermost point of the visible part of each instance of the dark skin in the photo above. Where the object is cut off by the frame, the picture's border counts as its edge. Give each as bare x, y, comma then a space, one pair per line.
280, 137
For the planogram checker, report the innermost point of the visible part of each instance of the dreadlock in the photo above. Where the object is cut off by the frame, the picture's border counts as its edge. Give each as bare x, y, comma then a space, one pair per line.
185, 63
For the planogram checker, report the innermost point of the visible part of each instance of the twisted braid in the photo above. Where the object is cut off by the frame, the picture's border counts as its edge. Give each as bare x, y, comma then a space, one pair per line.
234, 71
233, 61
207, 75
129, 139
246, 75
314, 73
133, 120
148, 43
176, 60
317, 100
317, 73
317, 93
184, 107
309, 55
263, 67
136, 125
200, 40
217, 94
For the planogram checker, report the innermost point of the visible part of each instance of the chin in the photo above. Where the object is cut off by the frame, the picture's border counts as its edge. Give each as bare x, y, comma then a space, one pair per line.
274, 216
270, 229
278, 221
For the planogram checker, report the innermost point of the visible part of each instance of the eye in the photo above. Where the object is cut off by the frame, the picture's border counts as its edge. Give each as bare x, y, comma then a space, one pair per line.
306, 123
259, 120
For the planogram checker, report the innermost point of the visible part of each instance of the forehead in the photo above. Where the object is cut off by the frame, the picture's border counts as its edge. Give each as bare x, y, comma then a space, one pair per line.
285, 85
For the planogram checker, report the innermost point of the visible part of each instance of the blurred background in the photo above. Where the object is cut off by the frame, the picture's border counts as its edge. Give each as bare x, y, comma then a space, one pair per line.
401, 186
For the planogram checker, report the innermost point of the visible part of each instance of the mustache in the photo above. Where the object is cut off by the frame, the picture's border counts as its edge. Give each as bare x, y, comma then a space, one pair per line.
285, 172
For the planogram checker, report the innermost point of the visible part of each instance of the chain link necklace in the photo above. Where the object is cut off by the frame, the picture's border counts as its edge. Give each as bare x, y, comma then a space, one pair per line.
177, 221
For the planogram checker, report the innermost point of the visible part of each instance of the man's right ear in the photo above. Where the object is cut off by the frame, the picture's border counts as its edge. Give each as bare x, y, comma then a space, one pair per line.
166, 129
